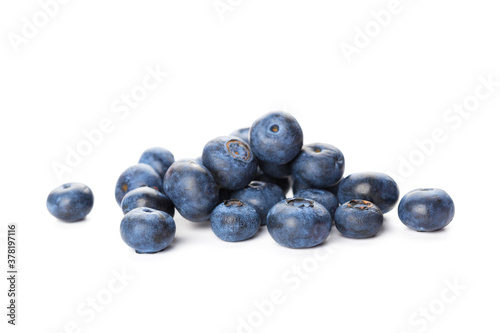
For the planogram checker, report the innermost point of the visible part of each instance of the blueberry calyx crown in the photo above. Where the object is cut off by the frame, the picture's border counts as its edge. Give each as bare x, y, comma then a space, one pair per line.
274, 128
300, 202
256, 184
238, 150
359, 204
317, 149
233, 202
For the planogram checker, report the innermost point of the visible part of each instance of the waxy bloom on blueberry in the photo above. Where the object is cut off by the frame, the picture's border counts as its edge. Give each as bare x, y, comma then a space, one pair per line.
192, 189
299, 223
358, 219
230, 161
147, 230
378, 188
160, 159
70, 202
147, 197
319, 164
234, 221
134, 177
261, 196
427, 209
276, 137
324, 197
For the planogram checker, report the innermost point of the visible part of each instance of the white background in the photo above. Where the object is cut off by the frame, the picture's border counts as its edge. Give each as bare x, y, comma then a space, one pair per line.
223, 74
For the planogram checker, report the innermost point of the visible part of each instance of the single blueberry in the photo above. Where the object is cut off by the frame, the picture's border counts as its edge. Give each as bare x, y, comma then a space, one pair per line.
299, 223
147, 230
230, 161
147, 197
427, 209
378, 188
192, 189
234, 221
358, 219
70, 202
319, 164
134, 177
275, 170
241, 133
261, 196
276, 137
158, 158
324, 197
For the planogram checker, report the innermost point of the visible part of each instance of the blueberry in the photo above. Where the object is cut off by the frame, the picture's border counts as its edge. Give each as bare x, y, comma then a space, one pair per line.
234, 221
324, 197
241, 133
192, 189
147, 197
358, 219
134, 177
319, 164
427, 209
276, 137
261, 196
276, 170
70, 202
283, 183
147, 230
378, 188
299, 223
230, 161
158, 158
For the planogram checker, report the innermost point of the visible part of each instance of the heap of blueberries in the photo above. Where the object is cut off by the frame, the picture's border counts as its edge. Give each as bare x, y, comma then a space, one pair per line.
239, 184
